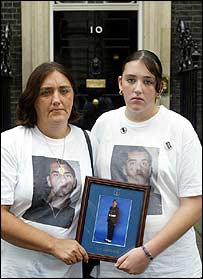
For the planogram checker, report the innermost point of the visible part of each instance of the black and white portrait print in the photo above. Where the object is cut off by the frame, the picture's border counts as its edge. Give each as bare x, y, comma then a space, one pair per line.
138, 165
57, 188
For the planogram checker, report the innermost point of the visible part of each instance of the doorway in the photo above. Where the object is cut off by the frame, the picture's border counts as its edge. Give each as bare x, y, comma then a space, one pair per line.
93, 45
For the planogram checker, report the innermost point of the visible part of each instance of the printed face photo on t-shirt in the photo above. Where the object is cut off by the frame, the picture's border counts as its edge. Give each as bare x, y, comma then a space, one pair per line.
138, 165
57, 188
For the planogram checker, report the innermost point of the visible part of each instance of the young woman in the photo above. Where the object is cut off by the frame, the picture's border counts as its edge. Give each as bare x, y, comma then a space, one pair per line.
169, 246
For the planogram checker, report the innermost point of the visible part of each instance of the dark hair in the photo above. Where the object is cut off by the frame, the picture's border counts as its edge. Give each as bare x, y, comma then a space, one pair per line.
25, 113
150, 60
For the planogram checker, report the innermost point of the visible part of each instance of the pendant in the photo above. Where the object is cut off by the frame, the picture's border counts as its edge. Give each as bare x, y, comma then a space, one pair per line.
61, 170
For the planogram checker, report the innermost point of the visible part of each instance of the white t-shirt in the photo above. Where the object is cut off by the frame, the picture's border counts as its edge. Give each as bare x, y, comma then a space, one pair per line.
176, 172
24, 171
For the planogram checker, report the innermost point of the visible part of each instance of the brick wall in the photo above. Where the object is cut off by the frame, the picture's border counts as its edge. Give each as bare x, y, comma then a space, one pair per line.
11, 13
191, 13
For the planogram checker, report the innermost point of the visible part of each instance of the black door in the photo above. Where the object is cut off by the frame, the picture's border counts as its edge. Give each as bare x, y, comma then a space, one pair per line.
93, 45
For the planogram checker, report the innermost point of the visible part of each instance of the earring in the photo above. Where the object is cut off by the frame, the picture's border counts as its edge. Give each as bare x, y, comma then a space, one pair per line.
158, 97
120, 92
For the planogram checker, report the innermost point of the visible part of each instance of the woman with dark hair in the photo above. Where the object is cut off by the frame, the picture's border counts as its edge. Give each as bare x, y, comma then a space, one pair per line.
26, 112
32, 248
169, 245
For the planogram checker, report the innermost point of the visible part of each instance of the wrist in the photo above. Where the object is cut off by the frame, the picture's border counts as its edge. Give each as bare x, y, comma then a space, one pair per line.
147, 253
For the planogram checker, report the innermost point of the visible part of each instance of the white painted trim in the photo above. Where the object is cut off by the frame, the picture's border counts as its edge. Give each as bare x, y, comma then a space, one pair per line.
51, 30
95, 6
140, 26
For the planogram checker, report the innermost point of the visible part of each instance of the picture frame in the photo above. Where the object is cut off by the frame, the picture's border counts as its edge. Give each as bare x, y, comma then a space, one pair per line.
98, 198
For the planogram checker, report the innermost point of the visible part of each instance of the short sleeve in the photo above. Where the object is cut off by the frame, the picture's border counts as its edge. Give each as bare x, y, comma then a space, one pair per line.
190, 165
8, 169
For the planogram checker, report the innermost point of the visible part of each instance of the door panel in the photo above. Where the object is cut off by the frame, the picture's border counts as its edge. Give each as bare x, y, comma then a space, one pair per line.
93, 45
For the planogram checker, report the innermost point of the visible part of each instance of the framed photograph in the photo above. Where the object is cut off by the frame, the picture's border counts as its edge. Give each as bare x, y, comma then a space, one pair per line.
112, 217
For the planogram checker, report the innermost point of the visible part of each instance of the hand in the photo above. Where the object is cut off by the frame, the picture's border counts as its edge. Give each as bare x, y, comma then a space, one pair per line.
133, 262
69, 251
